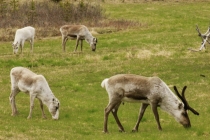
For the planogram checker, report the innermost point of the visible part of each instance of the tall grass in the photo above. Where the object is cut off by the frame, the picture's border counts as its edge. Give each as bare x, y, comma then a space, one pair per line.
159, 48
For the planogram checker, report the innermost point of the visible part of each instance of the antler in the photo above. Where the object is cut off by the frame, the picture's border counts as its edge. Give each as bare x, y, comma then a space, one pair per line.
203, 36
199, 33
207, 34
182, 97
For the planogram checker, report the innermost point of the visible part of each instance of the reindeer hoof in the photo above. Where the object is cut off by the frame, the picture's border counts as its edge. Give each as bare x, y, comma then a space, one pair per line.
121, 130
105, 132
134, 130
44, 117
14, 114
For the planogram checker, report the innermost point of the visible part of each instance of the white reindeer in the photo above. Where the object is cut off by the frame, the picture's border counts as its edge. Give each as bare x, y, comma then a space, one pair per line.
149, 91
22, 79
21, 35
78, 32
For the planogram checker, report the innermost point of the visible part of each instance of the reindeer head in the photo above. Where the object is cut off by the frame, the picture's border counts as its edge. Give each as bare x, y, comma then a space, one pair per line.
15, 47
93, 44
54, 108
183, 108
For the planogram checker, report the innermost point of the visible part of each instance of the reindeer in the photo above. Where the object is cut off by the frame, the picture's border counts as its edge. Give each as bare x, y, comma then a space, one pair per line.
78, 32
21, 35
36, 86
204, 37
148, 91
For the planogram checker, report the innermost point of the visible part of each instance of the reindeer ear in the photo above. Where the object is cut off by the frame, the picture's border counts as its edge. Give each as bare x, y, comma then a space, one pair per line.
95, 39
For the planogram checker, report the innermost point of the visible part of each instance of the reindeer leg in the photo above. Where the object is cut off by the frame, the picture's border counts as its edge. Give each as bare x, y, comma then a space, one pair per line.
64, 40
155, 111
42, 108
107, 110
77, 43
114, 112
14, 92
81, 44
21, 46
141, 113
32, 97
32, 44
65, 44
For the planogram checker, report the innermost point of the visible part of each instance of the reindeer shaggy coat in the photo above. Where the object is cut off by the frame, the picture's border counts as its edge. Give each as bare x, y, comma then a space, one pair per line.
148, 91
21, 35
79, 33
36, 86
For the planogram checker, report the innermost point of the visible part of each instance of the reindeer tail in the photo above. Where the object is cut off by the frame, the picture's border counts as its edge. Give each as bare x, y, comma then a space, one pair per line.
104, 82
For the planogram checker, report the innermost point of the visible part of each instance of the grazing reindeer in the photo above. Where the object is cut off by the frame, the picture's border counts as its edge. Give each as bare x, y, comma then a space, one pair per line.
204, 37
21, 35
36, 86
149, 91
78, 32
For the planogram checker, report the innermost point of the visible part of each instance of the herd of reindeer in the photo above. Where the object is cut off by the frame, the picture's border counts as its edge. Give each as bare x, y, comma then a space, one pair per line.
120, 88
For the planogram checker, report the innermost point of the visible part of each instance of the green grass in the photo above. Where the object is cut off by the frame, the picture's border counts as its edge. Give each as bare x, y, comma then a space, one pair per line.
157, 48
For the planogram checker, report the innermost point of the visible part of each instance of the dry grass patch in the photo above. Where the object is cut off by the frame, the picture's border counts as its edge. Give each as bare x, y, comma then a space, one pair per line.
143, 54
93, 58
7, 34
163, 53
147, 54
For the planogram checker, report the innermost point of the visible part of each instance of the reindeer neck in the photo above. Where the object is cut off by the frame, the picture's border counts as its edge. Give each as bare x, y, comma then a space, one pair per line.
46, 96
170, 103
88, 38
48, 100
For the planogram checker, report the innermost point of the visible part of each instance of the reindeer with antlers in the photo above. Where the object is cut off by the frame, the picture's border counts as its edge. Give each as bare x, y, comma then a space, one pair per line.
204, 37
148, 91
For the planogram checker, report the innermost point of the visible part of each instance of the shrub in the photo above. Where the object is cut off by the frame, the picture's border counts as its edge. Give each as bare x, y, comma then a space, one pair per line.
3, 8
47, 15
56, 1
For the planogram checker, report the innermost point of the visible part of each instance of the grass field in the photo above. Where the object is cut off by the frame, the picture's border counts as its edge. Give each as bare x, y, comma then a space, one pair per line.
157, 47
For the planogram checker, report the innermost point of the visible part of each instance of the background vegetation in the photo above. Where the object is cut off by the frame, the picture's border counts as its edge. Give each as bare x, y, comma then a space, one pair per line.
154, 42
46, 16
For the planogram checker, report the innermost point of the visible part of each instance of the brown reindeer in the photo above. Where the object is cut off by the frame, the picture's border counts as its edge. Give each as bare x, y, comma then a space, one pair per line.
78, 33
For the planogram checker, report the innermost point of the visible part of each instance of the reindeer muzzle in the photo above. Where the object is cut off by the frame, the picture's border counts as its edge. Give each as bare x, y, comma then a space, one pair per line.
187, 126
56, 116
